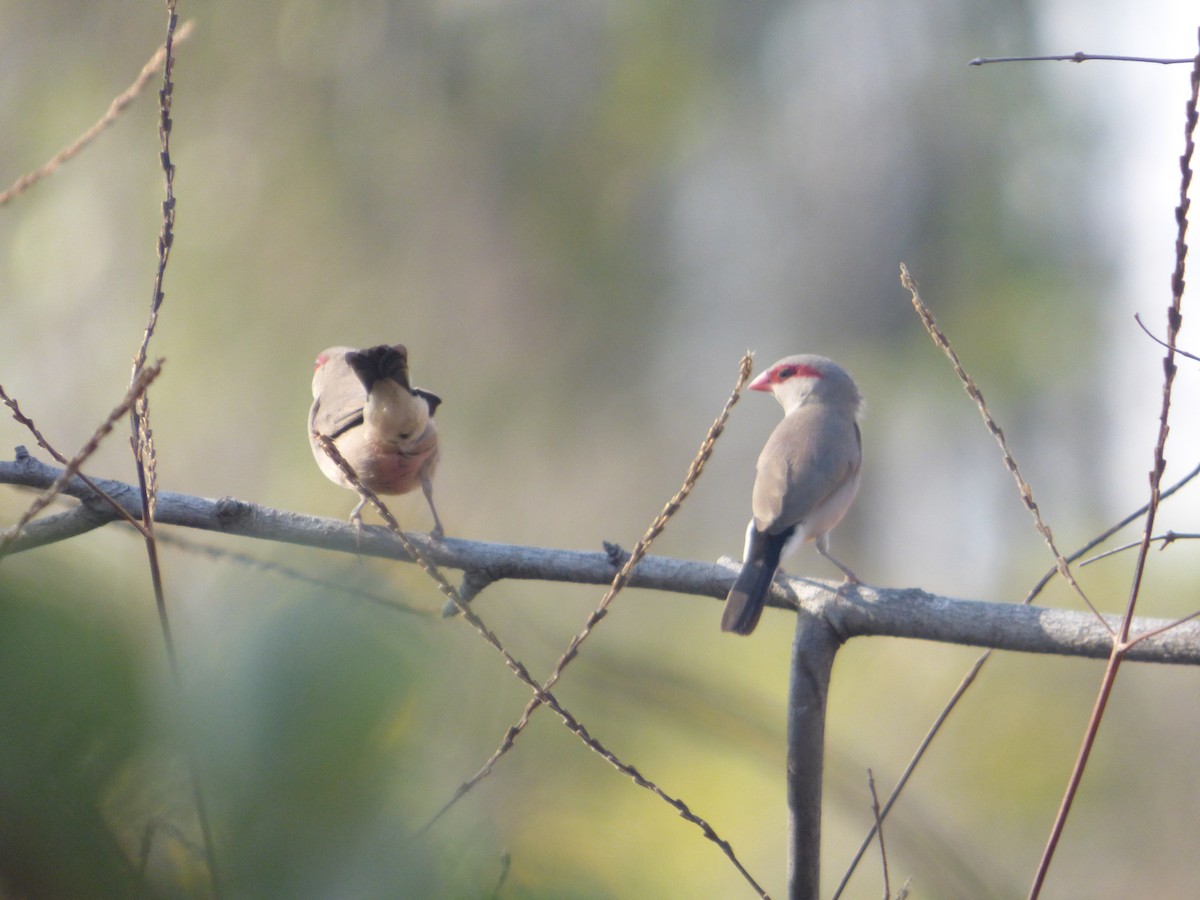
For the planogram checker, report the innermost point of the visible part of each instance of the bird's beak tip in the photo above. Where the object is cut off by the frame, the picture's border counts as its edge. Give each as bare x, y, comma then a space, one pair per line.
761, 383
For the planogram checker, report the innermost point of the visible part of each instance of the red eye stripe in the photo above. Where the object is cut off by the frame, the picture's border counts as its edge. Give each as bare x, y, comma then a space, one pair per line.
786, 372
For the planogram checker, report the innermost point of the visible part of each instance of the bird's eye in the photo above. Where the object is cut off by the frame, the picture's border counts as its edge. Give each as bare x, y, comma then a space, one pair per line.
786, 372
321, 360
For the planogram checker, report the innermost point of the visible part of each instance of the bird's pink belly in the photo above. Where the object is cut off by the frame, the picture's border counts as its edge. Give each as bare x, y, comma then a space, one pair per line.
393, 473
381, 467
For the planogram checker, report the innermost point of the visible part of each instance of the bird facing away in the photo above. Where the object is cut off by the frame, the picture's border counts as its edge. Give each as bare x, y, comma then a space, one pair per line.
807, 476
382, 426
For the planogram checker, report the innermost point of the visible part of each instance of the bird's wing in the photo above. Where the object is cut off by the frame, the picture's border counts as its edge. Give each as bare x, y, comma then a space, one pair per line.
340, 406
810, 455
432, 400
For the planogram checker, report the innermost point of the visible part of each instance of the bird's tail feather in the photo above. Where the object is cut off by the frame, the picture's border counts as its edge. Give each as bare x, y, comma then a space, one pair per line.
744, 605
376, 363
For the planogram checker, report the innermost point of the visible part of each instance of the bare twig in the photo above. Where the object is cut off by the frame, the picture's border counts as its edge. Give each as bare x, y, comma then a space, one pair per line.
1161, 629
1010, 462
71, 469
1167, 538
393, 526
273, 568
1077, 58
118, 105
505, 866
979, 663
518, 668
887, 882
620, 580
142, 437
17, 414
1154, 337
1109, 532
1121, 643
916, 758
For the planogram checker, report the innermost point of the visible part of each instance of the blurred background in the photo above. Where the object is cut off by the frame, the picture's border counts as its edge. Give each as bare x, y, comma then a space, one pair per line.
578, 216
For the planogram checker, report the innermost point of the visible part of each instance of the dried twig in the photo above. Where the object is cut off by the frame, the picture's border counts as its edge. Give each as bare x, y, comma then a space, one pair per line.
505, 867
71, 467
23, 419
619, 581
1076, 58
887, 882
518, 668
142, 437
118, 105
916, 758
979, 663
1010, 462
1121, 643
1167, 538
1154, 337
273, 568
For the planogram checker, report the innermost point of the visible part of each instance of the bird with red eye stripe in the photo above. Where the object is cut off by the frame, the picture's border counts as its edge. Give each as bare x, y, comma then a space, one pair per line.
808, 474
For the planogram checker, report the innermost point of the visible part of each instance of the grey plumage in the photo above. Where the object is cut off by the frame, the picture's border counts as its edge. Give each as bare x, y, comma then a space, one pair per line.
807, 476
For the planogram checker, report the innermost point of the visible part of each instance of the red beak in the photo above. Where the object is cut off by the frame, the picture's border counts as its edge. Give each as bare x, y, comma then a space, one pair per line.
763, 382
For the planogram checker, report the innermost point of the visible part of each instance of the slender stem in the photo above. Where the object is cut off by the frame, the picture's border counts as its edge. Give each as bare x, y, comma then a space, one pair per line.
1121, 644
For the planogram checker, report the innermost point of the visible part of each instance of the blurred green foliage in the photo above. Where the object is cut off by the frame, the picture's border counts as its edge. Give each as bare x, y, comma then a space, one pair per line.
72, 718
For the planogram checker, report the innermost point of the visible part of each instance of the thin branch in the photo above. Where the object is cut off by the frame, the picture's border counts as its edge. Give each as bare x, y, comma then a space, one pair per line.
1167, 538
1161, 629
916, 758
1107, 533
1077, 58
518, 668
887, 882
856, 611
1010, 462
619, 581
69, 473
975, 669
220, 554
142, 437
979, 663
1154, 337
973, 672
118, 105
1122, 644
330, 448
23, 419
505, 866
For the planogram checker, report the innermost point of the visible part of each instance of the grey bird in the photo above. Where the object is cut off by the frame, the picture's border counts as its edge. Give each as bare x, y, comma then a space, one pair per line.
808, 474
382, 426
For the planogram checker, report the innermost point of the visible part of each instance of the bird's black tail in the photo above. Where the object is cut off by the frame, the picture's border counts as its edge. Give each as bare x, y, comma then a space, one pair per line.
744, 605
376, 363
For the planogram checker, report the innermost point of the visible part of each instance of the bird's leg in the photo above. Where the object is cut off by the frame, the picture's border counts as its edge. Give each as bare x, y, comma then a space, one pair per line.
822, 544
427, 489
356, 520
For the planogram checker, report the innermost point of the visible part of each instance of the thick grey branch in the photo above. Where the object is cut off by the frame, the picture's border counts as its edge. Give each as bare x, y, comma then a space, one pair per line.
813, 648
855, 611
